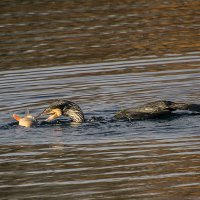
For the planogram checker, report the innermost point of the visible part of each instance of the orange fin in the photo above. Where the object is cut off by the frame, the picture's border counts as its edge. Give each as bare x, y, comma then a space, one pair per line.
16, 117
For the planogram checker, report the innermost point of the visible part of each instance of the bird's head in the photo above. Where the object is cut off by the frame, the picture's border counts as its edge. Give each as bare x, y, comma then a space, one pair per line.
52, 112
65, 108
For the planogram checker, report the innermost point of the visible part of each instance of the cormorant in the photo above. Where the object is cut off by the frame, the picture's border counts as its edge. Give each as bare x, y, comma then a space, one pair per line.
147, 111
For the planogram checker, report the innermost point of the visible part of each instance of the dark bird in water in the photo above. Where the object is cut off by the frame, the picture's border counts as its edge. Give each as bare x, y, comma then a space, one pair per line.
147, 111
156, 109
65, 108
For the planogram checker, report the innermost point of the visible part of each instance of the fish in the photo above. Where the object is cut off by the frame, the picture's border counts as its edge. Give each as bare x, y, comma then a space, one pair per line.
26, 121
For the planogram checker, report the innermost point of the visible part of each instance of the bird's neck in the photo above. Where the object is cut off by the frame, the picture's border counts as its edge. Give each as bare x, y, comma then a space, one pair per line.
76, 116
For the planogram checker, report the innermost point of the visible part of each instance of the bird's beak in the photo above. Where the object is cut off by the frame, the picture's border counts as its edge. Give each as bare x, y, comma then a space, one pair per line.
44, 112
53, 114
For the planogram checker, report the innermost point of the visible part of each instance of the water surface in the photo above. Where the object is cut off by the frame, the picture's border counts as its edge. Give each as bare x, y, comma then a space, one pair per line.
106, 56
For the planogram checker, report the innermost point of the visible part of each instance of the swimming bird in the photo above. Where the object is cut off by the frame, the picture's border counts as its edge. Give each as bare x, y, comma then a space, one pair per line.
155, 109
65, 108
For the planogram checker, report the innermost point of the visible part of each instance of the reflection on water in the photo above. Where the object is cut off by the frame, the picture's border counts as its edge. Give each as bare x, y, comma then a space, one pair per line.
106, 56
47, 33
138, 169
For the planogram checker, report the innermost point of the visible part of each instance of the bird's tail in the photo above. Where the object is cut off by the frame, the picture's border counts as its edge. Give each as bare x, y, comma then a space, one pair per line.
186, 106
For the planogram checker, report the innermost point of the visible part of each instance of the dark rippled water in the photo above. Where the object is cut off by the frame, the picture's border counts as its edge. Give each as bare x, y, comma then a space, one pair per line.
105, 55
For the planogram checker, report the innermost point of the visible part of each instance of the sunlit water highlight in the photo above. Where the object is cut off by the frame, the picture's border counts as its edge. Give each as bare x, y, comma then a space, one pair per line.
105, 56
